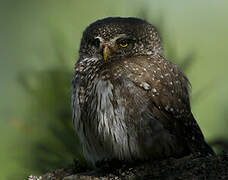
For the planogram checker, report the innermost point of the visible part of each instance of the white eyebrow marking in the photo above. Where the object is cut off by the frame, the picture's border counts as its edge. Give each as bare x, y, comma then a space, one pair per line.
118, 36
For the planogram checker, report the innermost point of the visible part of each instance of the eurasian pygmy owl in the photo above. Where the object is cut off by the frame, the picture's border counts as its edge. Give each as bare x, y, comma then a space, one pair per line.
129, 103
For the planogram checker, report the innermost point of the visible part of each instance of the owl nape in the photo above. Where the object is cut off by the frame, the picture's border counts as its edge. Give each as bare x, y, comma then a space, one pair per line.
129, 103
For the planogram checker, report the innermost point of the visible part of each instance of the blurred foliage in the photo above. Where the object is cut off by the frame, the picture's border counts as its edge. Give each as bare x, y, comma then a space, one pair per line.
50, 96
52, 109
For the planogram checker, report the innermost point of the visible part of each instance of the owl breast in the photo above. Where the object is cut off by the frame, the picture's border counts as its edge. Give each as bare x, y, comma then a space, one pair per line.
103, 130
115, 118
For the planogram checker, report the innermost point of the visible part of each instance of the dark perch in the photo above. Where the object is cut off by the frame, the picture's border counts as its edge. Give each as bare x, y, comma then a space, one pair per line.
187, 168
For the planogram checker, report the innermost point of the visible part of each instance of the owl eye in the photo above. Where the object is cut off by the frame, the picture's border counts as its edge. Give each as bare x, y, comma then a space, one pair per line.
96, 42
123, 43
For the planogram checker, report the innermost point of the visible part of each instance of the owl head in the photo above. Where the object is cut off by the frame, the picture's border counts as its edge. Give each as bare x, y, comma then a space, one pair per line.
117, 37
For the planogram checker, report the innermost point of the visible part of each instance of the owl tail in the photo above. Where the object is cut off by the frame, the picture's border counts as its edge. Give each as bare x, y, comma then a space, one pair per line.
194, 138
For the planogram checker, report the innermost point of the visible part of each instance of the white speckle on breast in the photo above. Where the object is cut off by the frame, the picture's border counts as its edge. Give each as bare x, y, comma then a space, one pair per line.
167, 107
129, 75
107, 76
146, 86
154, 90
149, 52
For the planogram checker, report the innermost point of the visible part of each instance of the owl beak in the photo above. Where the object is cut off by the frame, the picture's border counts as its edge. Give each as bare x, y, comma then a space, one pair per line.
106, 51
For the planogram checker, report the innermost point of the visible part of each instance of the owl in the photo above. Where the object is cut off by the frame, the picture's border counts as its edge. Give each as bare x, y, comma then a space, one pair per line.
129, 102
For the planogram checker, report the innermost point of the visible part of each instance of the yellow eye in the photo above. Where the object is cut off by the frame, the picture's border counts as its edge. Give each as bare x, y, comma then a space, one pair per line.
123, 43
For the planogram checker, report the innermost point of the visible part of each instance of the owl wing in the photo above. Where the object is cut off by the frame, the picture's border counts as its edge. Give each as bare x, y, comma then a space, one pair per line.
168, 93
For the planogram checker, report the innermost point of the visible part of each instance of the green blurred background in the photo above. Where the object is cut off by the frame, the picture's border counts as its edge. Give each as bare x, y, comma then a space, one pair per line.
39, 41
